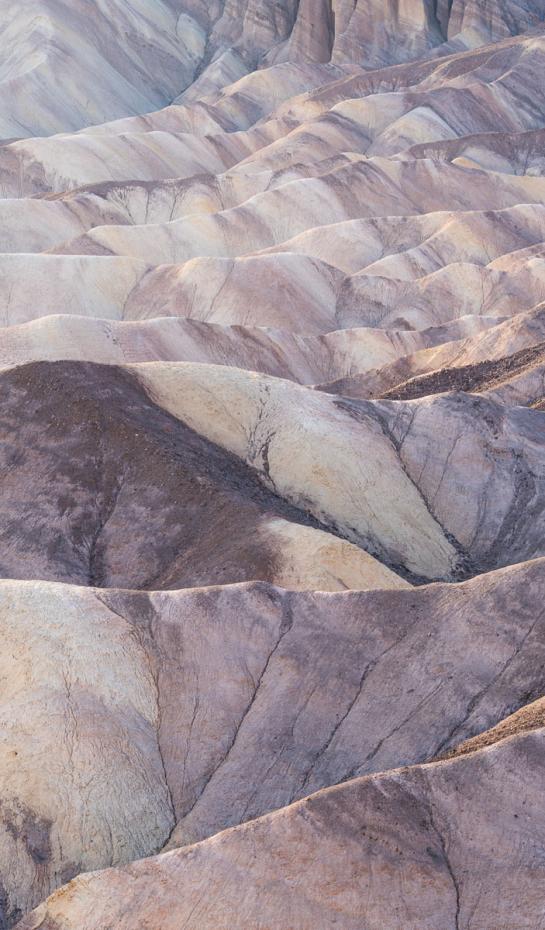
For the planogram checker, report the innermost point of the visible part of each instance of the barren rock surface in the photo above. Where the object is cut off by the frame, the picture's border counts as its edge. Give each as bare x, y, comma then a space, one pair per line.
419, 848
272, 464
207, 708
103, 488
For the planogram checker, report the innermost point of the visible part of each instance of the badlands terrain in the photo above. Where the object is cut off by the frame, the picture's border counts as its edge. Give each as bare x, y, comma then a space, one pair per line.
272, 464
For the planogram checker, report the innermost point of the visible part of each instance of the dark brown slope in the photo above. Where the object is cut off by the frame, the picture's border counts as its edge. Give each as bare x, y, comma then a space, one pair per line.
477, 378
528, 718
483, 376
101, 487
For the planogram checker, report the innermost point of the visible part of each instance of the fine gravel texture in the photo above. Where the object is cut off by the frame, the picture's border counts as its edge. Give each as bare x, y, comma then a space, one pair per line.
272, 464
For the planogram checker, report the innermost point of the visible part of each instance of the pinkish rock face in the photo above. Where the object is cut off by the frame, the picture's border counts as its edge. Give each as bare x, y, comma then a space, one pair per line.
272, 464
